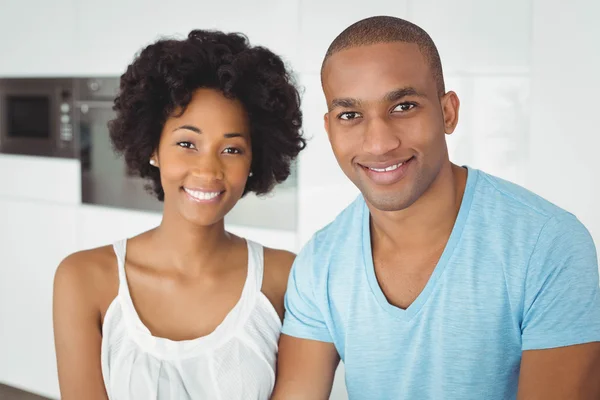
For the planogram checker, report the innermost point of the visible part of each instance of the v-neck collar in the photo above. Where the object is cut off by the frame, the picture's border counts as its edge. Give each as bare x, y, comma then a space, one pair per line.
412, 310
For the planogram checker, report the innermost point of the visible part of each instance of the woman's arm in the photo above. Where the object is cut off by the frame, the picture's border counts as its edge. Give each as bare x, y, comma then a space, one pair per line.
77, 330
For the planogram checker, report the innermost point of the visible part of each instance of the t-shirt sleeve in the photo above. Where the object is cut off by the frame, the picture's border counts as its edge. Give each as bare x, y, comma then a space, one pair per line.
303, 316
562, 293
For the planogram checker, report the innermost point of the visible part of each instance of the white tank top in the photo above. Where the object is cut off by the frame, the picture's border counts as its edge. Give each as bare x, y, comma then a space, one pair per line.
235, 361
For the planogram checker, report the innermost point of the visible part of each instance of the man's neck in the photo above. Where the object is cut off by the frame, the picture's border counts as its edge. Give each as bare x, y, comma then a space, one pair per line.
429, 220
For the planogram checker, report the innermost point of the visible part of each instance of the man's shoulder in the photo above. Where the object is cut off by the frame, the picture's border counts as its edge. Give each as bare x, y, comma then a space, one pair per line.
513, 209
346, 225
515, 201
335, 239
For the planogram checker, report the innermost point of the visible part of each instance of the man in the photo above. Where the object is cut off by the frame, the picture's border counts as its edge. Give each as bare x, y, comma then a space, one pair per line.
439, 281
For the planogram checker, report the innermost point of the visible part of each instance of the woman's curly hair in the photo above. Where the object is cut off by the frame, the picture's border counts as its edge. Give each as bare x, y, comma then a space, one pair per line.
163, 78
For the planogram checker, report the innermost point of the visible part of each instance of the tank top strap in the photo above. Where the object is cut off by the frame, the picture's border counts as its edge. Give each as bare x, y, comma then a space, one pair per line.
120, 249
255, 265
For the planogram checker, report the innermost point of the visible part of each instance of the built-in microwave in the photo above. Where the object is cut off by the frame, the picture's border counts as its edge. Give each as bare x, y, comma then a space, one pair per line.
36, 117
69, 117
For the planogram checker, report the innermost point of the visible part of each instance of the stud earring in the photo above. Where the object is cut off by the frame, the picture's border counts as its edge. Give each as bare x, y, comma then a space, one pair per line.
152, 162
250, 174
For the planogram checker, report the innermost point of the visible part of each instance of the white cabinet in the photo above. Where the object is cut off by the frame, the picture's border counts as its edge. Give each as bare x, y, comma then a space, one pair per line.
477, 36
322, 21
110, 33
37, 37
87, 38
99, 226
45, 179
564, 139
34, 238
323, 189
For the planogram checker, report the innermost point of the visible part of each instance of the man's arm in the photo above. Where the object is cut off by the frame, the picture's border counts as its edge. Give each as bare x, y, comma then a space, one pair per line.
561, 316
305, 369
307, 357
571, 372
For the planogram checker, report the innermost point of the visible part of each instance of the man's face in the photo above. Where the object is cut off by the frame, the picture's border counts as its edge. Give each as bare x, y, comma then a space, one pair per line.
387, 122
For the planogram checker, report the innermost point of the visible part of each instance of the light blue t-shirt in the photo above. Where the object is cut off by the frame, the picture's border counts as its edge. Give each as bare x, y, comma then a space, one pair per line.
517, 273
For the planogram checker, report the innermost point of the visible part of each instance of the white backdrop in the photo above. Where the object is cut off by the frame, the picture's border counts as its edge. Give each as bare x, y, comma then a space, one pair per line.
526, 72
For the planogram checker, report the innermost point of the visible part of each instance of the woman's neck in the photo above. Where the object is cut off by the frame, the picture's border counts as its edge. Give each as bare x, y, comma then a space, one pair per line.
187, 247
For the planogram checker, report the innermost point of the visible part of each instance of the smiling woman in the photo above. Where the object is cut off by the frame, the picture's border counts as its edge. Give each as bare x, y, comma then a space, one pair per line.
204, 157
186, 310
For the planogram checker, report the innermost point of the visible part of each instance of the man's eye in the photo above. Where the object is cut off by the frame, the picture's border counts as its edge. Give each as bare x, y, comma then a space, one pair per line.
403, 107
186, 145
349, 115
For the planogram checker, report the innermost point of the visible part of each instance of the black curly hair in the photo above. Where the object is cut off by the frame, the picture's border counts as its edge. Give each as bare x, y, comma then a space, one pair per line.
163, 78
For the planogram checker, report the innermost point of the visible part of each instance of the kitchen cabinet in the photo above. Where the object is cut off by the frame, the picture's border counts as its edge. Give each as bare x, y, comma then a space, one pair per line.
323, 189
562, 161
478, 37
38, 37
109, 33
99, 226
42, 179
34, 238
321, 21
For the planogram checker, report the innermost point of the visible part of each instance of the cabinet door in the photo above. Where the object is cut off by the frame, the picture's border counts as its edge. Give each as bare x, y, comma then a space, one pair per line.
34, 238
37, 37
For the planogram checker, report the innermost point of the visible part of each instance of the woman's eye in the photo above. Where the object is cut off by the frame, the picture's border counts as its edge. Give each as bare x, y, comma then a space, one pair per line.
403, 107
232, 150
186, 145
349, 115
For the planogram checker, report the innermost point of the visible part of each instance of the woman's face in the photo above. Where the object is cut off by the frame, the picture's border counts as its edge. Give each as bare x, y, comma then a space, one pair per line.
204, 157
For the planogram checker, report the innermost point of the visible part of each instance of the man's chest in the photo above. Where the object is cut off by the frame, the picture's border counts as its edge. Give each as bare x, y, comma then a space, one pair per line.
460, 308
403, 277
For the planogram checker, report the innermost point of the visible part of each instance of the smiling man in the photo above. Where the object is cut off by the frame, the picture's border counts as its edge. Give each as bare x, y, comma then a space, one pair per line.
439, 281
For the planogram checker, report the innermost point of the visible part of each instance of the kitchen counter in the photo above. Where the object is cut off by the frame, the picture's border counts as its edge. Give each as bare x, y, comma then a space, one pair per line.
12, 393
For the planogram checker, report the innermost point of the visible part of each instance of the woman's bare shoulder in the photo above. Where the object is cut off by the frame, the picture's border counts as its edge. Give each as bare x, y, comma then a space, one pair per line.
277, 270
88, 275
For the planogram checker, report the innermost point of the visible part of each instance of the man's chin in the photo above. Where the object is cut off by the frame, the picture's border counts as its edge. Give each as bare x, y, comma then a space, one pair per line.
387, 202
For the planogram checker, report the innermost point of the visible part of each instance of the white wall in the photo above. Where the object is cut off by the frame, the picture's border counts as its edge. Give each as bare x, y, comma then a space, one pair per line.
564, 135
485, 48
525, 71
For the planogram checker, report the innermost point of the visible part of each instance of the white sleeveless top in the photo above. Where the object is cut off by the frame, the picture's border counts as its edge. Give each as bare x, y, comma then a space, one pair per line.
235, 361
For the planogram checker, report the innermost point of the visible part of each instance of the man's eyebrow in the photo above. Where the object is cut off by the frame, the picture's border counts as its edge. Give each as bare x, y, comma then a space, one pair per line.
344, 102
394, 95
399, 94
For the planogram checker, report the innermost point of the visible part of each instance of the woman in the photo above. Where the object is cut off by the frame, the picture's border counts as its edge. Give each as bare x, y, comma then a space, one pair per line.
186, 310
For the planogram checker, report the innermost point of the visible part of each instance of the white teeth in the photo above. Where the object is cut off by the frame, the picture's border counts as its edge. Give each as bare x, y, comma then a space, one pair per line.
201, 195
390, 168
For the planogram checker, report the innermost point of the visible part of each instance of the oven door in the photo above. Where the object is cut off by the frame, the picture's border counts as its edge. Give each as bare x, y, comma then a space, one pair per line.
105, 180
36, 117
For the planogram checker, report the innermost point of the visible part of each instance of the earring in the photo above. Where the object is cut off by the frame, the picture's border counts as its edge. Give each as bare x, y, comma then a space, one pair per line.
250, 174
152, 162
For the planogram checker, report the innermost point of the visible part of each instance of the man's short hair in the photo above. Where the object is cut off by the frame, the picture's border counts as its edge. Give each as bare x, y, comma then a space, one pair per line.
385, 29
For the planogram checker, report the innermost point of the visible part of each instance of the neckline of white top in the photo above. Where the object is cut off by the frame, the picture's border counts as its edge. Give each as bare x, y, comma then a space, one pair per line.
175, 349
